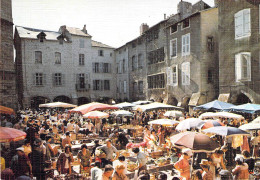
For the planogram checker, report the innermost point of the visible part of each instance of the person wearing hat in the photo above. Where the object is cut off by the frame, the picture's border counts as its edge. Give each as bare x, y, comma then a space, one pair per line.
240, 172
182, 165
21, 164
206, 174
119, 173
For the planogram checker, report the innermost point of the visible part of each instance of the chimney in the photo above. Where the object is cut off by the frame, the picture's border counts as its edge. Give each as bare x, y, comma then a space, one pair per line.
184, 8
144, 27
216, 2
164, 16
84, 29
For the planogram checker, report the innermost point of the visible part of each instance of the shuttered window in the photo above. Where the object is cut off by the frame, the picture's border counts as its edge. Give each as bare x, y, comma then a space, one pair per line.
243, 66
185, 68
186, 44
173, 48
242, 24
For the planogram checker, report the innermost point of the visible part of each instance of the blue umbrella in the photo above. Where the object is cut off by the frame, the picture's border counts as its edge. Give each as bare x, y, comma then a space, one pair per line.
225, 131
246, 108
214, 105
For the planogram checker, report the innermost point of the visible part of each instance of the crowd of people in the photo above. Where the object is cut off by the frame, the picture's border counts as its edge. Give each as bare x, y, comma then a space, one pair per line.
33, 156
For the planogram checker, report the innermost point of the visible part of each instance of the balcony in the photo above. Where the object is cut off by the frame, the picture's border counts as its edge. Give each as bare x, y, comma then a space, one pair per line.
82, 87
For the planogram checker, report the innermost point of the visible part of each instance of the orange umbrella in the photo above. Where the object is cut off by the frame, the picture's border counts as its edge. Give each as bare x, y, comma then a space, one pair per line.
83, 109
11, 134
6, 110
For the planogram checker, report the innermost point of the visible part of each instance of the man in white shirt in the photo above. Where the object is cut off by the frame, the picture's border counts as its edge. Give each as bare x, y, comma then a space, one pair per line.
89, 127
70, 126
96, 172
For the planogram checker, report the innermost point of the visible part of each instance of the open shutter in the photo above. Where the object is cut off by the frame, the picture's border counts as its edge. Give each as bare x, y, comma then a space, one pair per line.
246, 21
183, 45
188, 43
101, 68
94, 87
34, 79
53, 79
238, 67
168, 76
63, 80
93, 67
109, 67
44, 80
238, 24
177, 76
188, 73
247, 58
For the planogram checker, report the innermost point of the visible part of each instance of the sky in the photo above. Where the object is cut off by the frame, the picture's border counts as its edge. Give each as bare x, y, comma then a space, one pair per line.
112, 22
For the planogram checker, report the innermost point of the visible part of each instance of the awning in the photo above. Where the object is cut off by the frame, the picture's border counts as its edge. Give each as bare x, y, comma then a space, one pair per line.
194, 100
224, 97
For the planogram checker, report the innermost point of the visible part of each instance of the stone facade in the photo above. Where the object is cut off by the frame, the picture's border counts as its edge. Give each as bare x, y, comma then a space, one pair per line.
8, 95
239, 51
66, 66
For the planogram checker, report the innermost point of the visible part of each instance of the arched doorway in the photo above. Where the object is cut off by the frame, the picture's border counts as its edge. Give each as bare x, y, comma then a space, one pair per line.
242, 99
185, 104
65, 99
83, 100
173, 101
36, 101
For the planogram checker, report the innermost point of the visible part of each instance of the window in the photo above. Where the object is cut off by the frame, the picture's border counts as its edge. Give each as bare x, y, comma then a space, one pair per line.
173, 48
81, 81
156, 56
140, 87
100, 52
156, 81
174, 28
124, 66
210, 76
186, 44
57, 58
81, 59
140, 61
185, 68
38, 57
106, 68
135, 89
133, 45
95, 67
106, 85
210, 44
81, 43
57, 79
243, 66
124, 86
134, 63
242, 24
96, 85
175, 75
38, 79
111, 54
186, 23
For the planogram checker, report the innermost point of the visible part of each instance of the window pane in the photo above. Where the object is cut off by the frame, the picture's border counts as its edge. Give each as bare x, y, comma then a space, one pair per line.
38, 57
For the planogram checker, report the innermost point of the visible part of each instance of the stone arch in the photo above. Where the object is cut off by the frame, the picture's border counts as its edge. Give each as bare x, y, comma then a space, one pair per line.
37, 100
62, 98
185, 103
172, 101
83, 100
242, 98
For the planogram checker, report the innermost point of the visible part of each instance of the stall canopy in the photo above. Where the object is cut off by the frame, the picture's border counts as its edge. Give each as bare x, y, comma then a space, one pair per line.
83, 109
173, 114
154, 106
250, 126
164, 122
96, 115
142, 102
6, 110
226, 131
214, 105
11, 134
211, 115
57, 105
188, 124
245, 108
122, 113
124, 105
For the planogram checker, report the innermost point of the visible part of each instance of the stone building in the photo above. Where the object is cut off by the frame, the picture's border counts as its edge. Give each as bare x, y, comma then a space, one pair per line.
122, 73
8, 95
239, 51
191, 61
63, 66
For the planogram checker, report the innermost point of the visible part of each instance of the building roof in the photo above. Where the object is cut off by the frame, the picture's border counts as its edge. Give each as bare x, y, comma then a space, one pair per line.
99, 44
31, 33
77, 31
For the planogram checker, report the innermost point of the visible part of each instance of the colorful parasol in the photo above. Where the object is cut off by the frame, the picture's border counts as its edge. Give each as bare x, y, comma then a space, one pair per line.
11, 134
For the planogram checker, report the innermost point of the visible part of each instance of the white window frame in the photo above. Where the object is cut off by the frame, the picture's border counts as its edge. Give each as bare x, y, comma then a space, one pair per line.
57, 57
37, 53
171, 29
124, 87
39, 79
240, 21
185, 70
239, 71
185, 47
81, 59
174, 74
185, 27
171, 48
